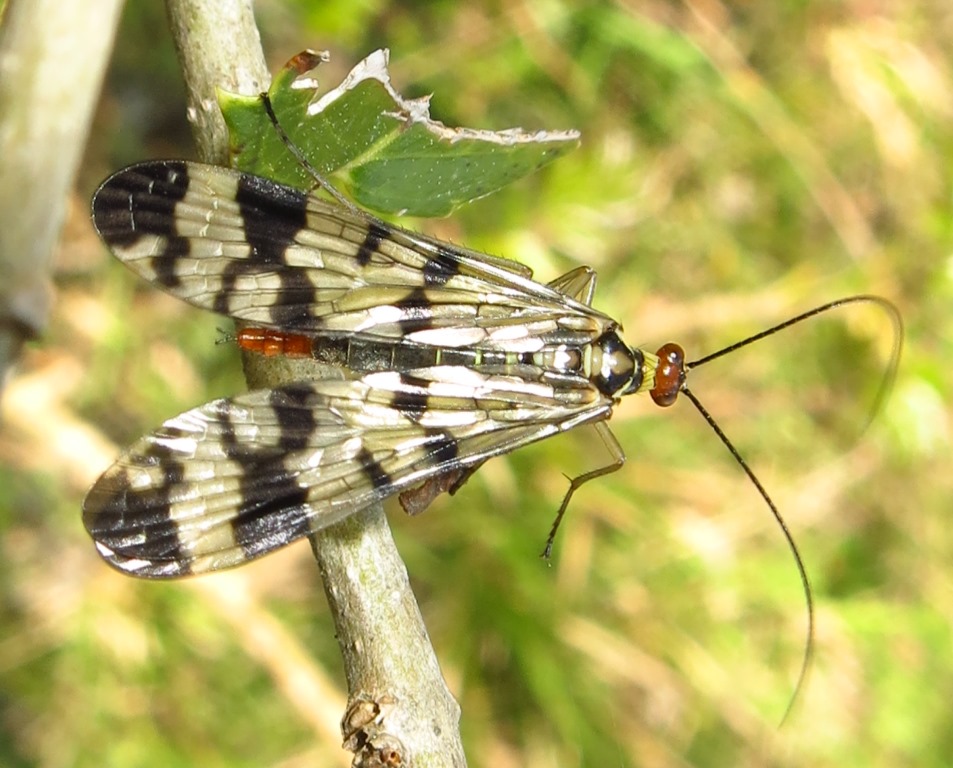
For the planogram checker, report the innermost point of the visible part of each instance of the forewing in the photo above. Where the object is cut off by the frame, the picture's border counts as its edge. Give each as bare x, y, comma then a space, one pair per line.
237, 478
280, 258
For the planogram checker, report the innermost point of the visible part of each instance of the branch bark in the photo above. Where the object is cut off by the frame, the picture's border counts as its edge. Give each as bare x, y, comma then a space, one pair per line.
399, 705
219, 47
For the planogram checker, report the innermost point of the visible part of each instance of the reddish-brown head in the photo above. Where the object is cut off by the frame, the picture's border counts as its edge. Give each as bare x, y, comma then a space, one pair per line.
669, 376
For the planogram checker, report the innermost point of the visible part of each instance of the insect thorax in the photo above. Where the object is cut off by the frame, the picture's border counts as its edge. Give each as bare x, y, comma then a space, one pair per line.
617, 369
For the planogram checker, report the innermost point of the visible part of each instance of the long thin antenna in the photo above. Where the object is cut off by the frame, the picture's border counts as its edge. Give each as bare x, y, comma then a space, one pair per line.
802, 571
678, 372
887, 306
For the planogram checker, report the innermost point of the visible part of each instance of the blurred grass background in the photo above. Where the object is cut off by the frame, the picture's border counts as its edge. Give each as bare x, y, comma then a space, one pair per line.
740, 163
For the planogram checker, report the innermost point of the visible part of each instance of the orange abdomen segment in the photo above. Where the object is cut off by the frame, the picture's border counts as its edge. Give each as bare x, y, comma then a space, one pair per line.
266, 341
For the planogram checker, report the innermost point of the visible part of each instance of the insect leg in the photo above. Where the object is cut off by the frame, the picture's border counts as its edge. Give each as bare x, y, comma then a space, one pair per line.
615, 450
416, 500
302, 160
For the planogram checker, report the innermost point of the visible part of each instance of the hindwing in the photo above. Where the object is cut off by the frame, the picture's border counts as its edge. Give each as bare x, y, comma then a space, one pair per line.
236, 478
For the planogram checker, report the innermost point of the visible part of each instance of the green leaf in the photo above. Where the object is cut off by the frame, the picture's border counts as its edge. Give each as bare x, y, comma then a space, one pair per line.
381, 149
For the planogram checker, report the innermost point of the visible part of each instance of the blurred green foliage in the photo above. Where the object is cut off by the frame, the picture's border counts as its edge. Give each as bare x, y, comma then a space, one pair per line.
740, 163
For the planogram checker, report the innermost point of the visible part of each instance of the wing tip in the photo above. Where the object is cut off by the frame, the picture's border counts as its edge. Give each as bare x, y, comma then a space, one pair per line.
141, 568
122, 205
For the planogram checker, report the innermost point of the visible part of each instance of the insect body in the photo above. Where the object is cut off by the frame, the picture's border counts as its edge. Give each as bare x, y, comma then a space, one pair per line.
447, 358
450, 357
